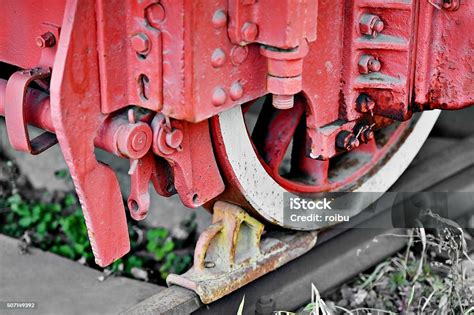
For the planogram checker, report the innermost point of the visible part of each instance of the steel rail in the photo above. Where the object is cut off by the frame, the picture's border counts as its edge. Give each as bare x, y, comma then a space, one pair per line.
342, 252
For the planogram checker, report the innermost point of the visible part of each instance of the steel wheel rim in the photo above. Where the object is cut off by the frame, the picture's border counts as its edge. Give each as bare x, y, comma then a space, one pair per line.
262, 193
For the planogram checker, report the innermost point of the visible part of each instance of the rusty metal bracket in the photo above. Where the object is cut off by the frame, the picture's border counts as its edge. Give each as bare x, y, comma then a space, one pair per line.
232, 252
15, 118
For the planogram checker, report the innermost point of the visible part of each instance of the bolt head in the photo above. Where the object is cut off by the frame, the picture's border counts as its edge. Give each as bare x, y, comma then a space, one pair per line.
368, 63
174, 138
134, 140
374, 65
46, 40
265, 305
238, 55
155, 14
140, 43
371, 25
451, 5
353, 143
344, 139
378, 26
139, 141
365, 104
249, 32
369, 135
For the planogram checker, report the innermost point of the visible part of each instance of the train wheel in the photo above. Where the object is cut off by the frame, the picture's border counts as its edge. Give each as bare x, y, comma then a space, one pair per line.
261, 153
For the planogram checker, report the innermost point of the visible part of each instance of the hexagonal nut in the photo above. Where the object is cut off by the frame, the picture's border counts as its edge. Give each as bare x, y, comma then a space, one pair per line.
344, 139
368, 63
249, 32
371, 25
364, 104
46, 40
284, 86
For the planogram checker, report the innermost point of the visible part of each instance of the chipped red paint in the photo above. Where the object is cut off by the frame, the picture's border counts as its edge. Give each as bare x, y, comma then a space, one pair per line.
352, 64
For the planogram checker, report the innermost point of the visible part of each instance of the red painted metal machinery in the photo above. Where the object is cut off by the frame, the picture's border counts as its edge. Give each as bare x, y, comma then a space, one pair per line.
229, 100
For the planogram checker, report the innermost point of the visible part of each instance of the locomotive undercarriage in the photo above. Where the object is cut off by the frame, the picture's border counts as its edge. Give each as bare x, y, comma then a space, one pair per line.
231, 105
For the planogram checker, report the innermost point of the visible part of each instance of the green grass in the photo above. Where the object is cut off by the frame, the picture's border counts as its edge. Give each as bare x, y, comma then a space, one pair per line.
54, 222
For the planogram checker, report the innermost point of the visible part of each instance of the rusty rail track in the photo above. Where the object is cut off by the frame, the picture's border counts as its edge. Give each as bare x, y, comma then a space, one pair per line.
342, 252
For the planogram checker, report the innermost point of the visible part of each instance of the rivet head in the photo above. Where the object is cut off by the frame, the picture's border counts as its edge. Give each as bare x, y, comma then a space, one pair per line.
238, 55
249, 32
219, 19
140, 43
218, 58
236, 91
46, 40
155, 14
219, 96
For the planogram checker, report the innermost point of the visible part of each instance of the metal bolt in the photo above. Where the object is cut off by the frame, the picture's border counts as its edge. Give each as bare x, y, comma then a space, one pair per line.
364, 131
451, 5
371, 25
139, 141
140, 43
319, 157
236, 91
174, 138
283, 101
219, 97
46, 40
249, 32
367, 135
365, 104
219, 19
368, 63
155, 14
133, 140
378, 26
346, 140
218, 58
238, 55
265, 306
209, 264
